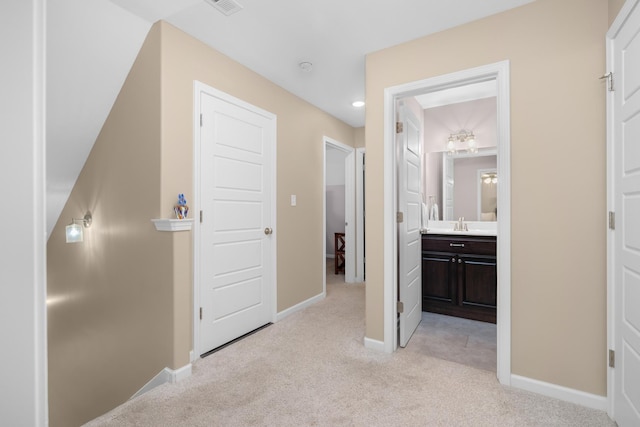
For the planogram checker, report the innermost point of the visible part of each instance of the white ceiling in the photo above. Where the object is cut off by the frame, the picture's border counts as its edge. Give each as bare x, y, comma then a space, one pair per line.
91, 45
272, 37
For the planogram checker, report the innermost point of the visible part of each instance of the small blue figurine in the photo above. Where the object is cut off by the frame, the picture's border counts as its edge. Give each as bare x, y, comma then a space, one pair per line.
181, 209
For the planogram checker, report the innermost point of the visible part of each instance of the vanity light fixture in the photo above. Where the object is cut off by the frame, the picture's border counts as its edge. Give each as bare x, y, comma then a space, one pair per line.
490, 178
462, 141
74, 232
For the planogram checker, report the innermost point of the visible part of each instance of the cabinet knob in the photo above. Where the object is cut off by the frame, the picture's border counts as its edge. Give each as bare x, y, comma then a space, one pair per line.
459, 261
453, 260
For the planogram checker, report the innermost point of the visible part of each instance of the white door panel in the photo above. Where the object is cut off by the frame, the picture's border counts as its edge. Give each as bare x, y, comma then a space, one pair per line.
236, 285
624, 117
409, 237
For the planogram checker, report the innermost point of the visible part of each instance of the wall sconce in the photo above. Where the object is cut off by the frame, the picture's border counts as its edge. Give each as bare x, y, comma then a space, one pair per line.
490, 178
74, 231
465, 137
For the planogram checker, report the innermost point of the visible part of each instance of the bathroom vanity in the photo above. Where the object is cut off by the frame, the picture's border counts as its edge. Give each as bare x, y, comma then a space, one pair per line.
459, 274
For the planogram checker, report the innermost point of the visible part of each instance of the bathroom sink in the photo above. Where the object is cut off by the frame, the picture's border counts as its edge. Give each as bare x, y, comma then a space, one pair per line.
470, 232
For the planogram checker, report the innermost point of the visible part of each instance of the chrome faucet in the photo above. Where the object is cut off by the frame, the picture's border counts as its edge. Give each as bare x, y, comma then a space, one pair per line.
460, 225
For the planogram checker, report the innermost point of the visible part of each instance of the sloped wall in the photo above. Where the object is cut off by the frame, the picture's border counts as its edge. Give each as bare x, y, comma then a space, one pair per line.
110, 297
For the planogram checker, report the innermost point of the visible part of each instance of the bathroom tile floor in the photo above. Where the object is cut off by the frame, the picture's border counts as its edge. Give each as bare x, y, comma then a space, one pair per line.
464, 341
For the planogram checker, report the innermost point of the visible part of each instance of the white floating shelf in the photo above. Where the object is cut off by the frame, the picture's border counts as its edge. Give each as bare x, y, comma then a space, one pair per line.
168, 224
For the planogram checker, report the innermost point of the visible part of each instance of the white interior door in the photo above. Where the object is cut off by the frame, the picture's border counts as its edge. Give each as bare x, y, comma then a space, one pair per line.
409, 237
236, 250
624, 52
349, 218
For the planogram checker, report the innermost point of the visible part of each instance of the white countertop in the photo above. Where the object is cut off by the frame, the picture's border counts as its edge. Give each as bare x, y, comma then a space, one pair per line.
475, 228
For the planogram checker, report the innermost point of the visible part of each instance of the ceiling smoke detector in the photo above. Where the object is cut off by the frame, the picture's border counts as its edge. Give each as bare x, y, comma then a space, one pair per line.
306, 66
227, 7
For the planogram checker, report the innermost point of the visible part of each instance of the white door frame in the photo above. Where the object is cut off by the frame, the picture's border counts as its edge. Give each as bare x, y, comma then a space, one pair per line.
360, 262
199, 89
612, 287
500, 72
349, 214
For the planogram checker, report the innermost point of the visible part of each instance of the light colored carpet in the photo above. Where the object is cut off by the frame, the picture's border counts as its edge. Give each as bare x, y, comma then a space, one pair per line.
311, 369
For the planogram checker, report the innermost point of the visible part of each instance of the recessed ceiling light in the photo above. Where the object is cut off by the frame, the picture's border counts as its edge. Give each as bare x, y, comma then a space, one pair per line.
306, 66
358, 104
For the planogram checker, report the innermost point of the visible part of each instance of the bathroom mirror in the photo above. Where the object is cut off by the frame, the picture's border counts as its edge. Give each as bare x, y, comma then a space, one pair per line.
459, 140
457, 184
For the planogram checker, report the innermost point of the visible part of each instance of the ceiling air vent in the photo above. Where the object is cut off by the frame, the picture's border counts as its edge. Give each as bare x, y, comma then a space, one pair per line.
227, 7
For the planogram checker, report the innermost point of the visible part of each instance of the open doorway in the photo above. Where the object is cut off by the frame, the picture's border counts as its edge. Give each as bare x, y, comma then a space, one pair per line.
499, 73
458, 129
339, 211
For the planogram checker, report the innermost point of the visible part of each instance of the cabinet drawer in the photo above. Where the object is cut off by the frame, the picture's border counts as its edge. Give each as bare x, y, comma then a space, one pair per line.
479, 245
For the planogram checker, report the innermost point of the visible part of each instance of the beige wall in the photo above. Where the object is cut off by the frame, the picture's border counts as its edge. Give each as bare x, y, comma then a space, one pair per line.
359, 137
121, 302
300, 152
556, 53
614, 8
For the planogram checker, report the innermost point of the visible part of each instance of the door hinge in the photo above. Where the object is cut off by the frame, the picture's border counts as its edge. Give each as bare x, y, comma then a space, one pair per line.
399, 127
612, 358
201, 217
609, 77
200, 120
612, 220
399, 217
200, 313
400, 307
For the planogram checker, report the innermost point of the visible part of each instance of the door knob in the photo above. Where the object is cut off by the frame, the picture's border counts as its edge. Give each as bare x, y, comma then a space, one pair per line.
268, 231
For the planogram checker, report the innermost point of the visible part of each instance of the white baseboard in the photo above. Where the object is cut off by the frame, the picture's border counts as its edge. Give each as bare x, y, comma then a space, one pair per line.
165, 376
571, 395
374, 344
181, 373
304, 304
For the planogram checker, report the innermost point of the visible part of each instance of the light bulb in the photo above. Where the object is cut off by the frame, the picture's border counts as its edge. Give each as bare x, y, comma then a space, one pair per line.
74, 233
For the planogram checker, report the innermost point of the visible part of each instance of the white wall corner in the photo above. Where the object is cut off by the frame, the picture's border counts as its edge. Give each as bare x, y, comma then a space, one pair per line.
555, 391
301, 306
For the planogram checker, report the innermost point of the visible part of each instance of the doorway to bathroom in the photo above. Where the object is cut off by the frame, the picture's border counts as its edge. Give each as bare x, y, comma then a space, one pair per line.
497, 75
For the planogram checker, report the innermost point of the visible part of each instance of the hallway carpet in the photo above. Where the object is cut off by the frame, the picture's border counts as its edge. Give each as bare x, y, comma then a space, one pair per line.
312, 369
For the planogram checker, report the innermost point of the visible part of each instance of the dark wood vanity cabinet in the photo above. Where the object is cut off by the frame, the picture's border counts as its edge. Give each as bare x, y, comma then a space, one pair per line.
459, 276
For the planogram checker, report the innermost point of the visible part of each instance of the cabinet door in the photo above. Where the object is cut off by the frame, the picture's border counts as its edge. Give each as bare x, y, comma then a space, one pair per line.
438, 273
477, 279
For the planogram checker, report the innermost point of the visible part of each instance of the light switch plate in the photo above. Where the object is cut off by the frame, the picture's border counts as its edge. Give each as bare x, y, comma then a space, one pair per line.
293, 200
